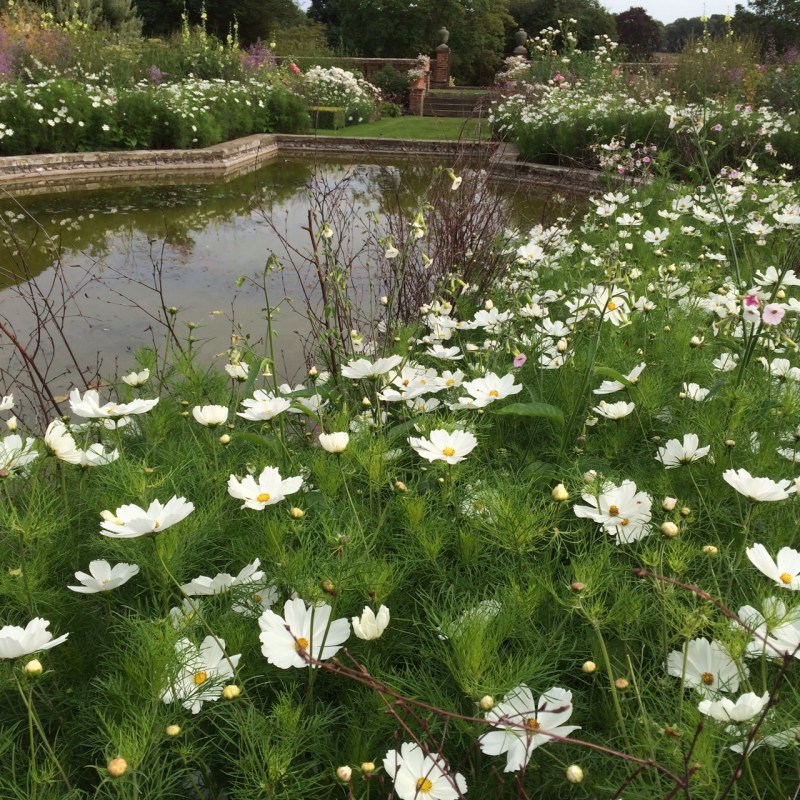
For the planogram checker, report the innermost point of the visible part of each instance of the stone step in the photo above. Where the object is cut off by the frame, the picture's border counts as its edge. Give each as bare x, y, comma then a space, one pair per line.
444, 104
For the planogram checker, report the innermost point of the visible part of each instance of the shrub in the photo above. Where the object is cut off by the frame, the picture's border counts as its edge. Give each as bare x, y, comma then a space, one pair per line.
337, 87
327, 117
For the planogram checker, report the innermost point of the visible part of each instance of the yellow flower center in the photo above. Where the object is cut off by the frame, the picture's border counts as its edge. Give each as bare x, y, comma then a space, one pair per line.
424, 785
449, 382
613, 510
301, 645
494, 393
156, 525
448, 451
532, 724
624, 521
611, 305
257, 598
199, 678
111, 410
785, 578
263, 497
708, 678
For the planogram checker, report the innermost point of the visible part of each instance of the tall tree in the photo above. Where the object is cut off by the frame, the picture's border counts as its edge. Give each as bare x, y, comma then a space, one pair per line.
405, 28
776, 23
593, 19
638, 32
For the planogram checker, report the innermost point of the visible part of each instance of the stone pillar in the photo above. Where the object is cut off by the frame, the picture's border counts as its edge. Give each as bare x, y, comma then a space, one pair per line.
416, 99
440, 78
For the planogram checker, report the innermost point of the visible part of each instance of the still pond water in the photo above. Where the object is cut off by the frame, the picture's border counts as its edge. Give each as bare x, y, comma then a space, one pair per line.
203, 238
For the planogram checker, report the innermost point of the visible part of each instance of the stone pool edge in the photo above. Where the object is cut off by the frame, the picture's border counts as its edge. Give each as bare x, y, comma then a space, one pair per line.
55, 172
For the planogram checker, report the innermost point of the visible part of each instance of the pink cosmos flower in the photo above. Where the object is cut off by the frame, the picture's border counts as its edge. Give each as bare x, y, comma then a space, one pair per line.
773, 314
520, 359
751, 301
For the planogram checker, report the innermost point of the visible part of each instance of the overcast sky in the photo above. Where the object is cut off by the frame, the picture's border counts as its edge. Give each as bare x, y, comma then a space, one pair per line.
663, 10
669, 10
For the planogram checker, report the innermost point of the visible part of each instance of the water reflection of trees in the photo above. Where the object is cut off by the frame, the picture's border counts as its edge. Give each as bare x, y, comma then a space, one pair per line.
48, 228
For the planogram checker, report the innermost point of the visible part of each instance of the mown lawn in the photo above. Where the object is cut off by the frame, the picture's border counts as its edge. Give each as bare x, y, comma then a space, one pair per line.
449, 128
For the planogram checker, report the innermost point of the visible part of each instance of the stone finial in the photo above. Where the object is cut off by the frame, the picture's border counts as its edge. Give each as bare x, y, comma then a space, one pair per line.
444, 35
520, 37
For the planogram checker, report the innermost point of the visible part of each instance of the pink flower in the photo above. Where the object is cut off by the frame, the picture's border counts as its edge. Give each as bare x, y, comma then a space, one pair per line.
773, 314
717, 128
520, 359
751, 300
294, 68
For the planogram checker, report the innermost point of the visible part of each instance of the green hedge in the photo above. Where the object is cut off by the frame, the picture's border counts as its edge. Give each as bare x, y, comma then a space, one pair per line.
327, 117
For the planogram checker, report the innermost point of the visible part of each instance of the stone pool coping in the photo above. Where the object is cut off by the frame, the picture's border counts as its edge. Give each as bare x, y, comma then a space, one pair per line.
61, 172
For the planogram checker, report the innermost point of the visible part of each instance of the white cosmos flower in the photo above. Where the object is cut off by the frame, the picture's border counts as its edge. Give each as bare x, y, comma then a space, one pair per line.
6, 402
371, 625
776, 630
258, 599
263, 406
784, 570
694, 391
677, 454
14, 454
524, 724
204, 586
61, 442
777, 740
137, 378
614, 410
708, 667
210, 416
334, 442
361, 368
489, 388
417, 775
102, 577
130, 521
609, 387
445, 353
268, 490
745, 708
443, 446
89, 406
97, 456
623, 511
16, 642
237, 371
656, 236
203, 671
302, 631
757, 489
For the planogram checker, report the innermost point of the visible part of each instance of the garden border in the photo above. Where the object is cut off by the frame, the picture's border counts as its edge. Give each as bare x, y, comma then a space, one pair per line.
61, 172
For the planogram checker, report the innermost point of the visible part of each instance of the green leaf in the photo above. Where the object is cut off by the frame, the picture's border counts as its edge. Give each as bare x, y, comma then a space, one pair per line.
543, 410
607, 372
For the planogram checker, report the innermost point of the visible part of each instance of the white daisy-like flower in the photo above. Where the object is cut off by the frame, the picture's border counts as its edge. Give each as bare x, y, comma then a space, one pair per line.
97, 456
268, 490
784, 570
238, 371
693, 391
760, 490
609, 387
623, 511
211, 416
16, 454
676, 453
263, 406
445, 353
137, 378
102, 577
443, 446
203, 672
489, 388
6, 402
417, 775
131, 521
614, 410
361, 368
334, 442
61, 442
258, 599
371, 625
204, 586
776, 631
16, 642
705, 666
524, 724
745, 708
90, 407
302, 631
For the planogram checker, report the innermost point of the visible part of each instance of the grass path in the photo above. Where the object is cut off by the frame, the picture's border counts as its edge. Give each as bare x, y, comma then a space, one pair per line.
449, 128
